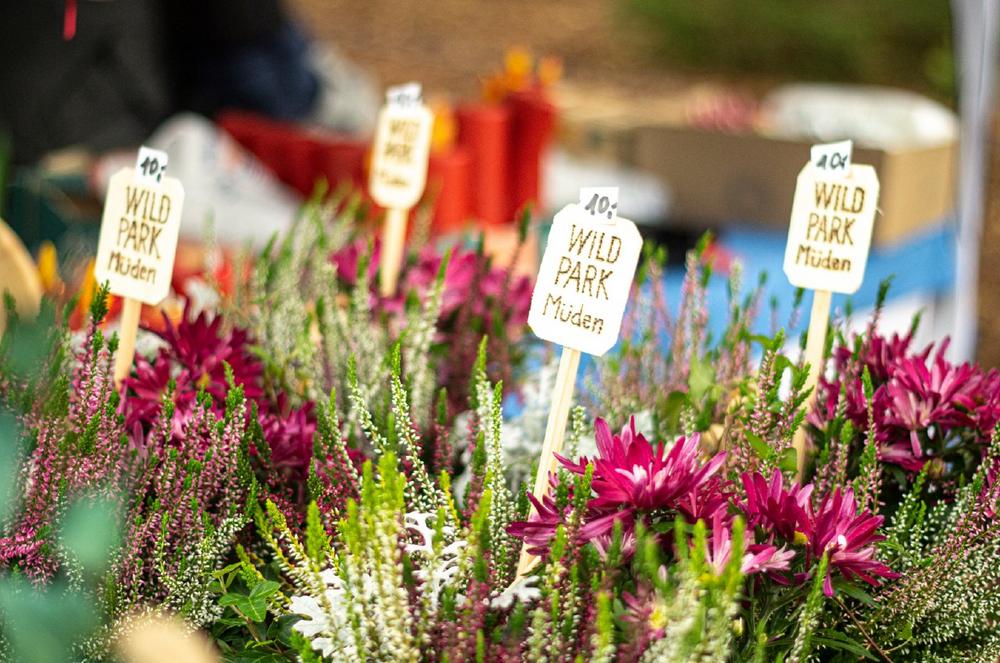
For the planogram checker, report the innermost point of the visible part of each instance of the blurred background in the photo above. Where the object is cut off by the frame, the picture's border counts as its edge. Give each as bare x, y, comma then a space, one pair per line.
702, 113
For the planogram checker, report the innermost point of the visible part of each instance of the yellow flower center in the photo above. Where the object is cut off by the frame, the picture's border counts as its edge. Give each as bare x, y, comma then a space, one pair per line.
658, 617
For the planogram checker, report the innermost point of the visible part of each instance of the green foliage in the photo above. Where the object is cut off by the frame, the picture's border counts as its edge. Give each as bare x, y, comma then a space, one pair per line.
887, 42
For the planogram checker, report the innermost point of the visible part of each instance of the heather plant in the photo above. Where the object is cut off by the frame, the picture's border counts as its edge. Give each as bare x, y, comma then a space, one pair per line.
670, 369
303, 480
311, 304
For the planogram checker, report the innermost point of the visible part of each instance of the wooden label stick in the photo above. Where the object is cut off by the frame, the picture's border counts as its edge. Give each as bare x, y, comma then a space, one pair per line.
399, 171
579, 299
829, 236
138, 240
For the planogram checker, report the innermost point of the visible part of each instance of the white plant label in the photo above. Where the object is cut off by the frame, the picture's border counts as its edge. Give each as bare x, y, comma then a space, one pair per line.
584, 280
139, 228
407, 95
600, 201
831, 228
399, 157
151, 165
832, 157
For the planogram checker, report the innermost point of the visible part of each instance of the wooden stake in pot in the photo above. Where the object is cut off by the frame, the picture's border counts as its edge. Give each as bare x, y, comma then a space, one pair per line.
399, 172
135, 252
579, 299
829, 236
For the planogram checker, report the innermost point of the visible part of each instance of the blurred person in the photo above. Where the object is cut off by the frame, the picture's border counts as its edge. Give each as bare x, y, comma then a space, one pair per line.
104, 74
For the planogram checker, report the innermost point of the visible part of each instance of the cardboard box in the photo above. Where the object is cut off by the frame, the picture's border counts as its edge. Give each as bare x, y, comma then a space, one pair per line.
719, 178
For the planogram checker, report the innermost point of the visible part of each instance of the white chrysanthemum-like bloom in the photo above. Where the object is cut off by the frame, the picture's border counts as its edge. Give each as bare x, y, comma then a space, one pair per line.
435, 571
522, 591
328, 631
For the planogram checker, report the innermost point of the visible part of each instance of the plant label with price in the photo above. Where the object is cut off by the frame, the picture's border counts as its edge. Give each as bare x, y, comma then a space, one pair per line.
831, 228
835, 158
138, 240
402, 147
151, 165
585, 279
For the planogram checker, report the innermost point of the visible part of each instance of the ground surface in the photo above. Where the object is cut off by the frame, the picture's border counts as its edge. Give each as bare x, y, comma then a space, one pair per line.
448, 44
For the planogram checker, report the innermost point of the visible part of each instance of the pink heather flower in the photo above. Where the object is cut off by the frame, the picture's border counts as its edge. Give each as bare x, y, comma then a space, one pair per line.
848, 537
772, 507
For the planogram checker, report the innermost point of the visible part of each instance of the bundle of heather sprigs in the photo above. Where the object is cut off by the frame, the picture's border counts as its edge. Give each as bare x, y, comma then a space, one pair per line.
315, 472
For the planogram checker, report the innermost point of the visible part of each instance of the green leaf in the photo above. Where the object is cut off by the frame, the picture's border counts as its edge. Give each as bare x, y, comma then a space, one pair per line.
264, 589
763, 450
837, 640
90, 532
701, 378
253, 608
789, 461
855, 592
231, 599
253, 656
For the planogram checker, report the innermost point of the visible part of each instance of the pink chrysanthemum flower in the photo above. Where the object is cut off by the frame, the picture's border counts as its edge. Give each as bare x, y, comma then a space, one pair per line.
922, 397
849, 538
772, 507
633, 480
757, 558
194, 356
632, 473
289, 433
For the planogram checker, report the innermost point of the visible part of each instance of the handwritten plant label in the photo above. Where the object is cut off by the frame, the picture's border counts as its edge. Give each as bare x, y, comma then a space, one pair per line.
402, 147
151, 165
584, 280
600, 201
831, 228
139, 228
408, 94
832, 157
